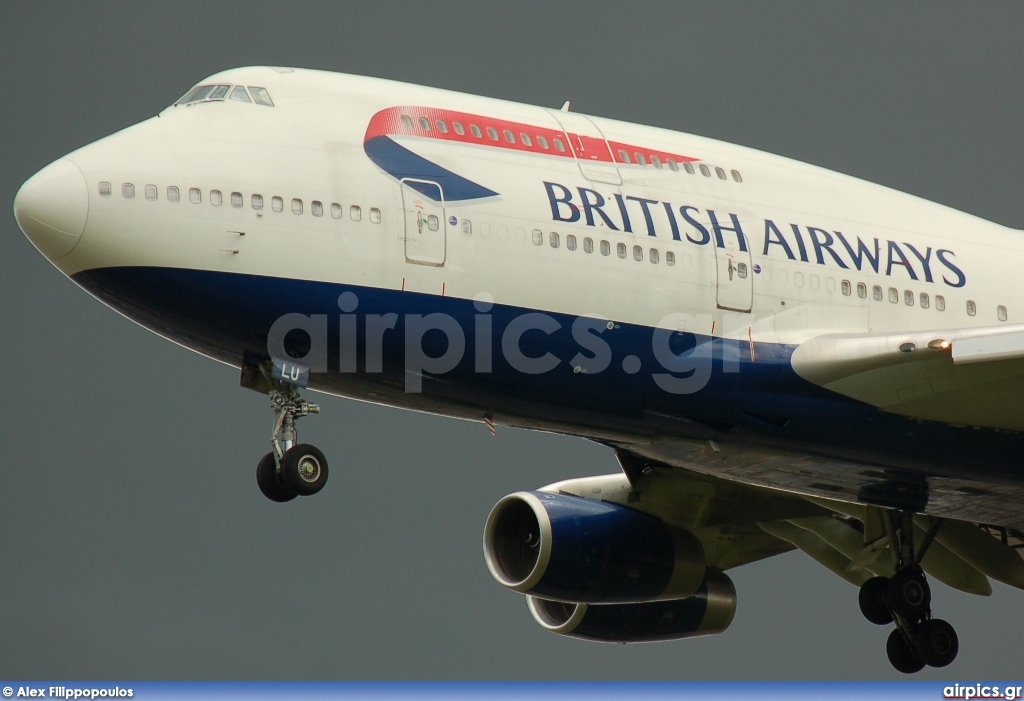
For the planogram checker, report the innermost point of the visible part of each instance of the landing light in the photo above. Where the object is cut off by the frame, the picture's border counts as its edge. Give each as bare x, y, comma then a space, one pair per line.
938, 344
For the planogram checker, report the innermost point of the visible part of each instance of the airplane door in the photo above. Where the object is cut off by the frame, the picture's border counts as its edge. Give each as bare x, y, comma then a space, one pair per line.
593, 155
426, 229
735, 278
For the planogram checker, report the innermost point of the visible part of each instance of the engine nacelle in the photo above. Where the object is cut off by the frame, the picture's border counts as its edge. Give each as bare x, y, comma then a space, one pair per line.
708, 612
566, 548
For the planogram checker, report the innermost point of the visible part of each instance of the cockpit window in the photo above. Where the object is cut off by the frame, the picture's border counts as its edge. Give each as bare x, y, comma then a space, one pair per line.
260, 96
204, 92
210, 93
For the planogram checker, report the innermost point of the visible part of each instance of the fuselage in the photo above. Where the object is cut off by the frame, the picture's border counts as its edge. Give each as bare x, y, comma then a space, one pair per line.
665, 279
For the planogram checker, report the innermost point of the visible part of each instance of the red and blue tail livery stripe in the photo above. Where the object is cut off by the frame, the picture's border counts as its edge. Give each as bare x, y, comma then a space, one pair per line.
477, 130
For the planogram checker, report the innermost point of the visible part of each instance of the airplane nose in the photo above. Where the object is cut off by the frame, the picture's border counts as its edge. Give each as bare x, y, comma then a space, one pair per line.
52, 207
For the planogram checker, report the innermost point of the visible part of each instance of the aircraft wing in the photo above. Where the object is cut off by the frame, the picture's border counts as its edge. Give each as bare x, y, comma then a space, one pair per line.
969, 377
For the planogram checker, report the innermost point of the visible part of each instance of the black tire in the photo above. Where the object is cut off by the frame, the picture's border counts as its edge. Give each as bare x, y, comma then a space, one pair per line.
902, 656
269, 482
909, 595
872, 599
936, 643
304, 469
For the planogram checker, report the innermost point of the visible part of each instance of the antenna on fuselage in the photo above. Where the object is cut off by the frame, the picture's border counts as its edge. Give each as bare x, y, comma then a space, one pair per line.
565, 106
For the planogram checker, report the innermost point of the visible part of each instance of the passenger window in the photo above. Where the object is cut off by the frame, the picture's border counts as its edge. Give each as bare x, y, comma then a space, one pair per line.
216, 198
336, 211
127, 190
862, 290
588, 245
104, 188
672, 165
239, 94
467, 227
260, 96
623, 155
316, 208
424, 124
845, 286
606, 248
559, 146
654, 255
441, 126
640, 158
355, 213
150, 192
509, 136
638, 253
1001, 312
407, 121
720, 172
475, 129
570, 242
705, 171
492, 133
688, 167
236, 200
876, 292
972, 308
655, 161
296, 205
194, 196
894, 295
525, 138
553, 239
670, 258
277, 204
620, 250
538, 237
374, 215
940, 303
433, 223
257, 202
173, 194
542, 142
908, 298
736, 176
925, 302
457, 126
741, 271
798, 279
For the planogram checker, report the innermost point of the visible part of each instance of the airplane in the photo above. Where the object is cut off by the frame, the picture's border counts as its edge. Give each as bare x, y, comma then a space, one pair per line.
781, 357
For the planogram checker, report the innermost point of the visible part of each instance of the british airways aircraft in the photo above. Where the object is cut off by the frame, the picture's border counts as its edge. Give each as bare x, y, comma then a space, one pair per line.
780, 356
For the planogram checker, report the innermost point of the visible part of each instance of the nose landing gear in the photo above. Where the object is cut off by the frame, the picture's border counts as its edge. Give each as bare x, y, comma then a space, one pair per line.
291, 468
905, 600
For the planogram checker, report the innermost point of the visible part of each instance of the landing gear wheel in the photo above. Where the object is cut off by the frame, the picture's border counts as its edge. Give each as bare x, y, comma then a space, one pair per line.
304, 469
902, 656
936, 643
270, 483
909, 595
872, 600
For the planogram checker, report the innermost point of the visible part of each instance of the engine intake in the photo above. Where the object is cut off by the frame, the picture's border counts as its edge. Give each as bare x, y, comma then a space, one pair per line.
566, 548
708, 612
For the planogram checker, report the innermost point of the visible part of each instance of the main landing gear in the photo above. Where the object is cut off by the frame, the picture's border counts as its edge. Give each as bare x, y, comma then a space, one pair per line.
291, 469
905, 599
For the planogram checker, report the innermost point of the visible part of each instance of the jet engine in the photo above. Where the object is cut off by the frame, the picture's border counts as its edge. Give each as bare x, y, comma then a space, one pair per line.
707, 612
565, 548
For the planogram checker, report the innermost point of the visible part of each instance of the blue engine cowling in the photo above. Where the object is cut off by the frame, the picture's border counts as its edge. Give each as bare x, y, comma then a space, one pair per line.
566, 548
707, 612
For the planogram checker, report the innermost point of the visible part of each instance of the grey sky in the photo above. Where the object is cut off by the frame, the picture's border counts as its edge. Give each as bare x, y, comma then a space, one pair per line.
133, 540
